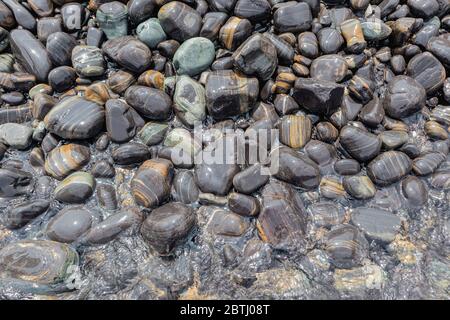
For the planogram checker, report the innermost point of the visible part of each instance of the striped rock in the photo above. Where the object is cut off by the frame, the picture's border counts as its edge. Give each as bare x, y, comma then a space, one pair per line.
66, 159
389, 167
295, 130
75, 118
151, 183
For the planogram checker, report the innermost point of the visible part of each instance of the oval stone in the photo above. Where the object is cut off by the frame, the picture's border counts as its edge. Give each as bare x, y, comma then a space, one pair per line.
76, 188
37, 261
75, 118
31, 53
69, 224
389, 167
404, 97
194, 56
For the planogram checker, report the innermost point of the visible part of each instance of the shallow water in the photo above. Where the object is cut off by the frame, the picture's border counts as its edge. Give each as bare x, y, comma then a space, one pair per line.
415, 265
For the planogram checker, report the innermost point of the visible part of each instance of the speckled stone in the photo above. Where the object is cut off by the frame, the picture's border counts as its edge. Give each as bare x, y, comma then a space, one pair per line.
194, 56
150, 32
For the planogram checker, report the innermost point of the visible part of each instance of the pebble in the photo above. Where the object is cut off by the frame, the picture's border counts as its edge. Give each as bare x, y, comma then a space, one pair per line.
360, 144
194, 56
359, 187
151, 33
112, 227
389, 167
292, 17
69, 224
129, 53
185, 189
427, 70
24, 213
15, 135
88, 61
404, 97
15, 182
75, 118
329, 68
282, 220
43, 262
168, 226
122, 121
242, 204
112, 18
377, 224
250, 179
346, 246
76, 188
318, 96
295, 131
257, 56
63, 160
30, 52
151, 183
179, 21
216, 178
150, 103
229, 94
297, 169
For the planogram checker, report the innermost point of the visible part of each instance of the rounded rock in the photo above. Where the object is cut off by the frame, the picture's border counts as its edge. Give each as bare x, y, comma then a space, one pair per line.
168, 226
194, 56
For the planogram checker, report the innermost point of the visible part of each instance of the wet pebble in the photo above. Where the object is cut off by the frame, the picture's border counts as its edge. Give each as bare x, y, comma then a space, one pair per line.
404, 97
15, 135
69, 224
66, 159
38, 261
189, 101
282, 220
257, 56
427, 163
415, 191
389, 167
185, 187
326, 214
194, 56
297, 169
76, 188
168, 226
151, 183
295, 130
179, 21
377, 224
129, 53
112, 227
318, 96
243, 204
150, 103
24, 213
151, 33
427, 70
112, 18
30, 52
75, 118
130, 153
359, 187
292, 17
347, 167
229, 94
121, 120
250, 179
360, 144
346, 246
